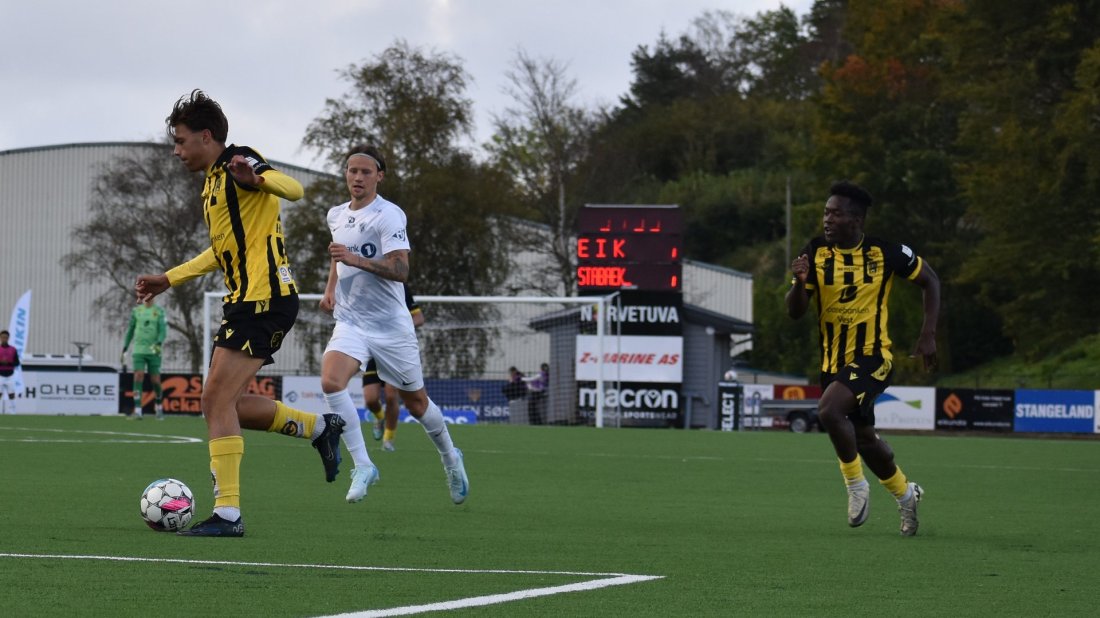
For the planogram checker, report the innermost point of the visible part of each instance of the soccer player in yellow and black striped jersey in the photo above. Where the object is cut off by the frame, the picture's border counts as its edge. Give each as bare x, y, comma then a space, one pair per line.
241, 208
849, 276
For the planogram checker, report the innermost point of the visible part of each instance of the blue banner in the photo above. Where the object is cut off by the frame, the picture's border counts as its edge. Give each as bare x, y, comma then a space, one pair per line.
1055, 411
465, 402
474, 400
450, 415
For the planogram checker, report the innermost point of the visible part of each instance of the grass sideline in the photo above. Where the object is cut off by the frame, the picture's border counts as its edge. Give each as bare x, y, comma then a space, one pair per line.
735, 524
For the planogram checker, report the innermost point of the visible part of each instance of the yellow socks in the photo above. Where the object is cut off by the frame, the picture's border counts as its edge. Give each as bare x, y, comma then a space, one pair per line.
852, 471
225, 466
379, 414
388, 434
853, 475
291, 422
897, 484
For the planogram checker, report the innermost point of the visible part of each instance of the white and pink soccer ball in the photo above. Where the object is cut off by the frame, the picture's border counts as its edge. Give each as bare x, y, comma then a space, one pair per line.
167, 505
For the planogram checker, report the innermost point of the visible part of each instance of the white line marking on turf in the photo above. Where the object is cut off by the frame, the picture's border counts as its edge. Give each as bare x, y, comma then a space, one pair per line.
603, 580
147, 438
493, 599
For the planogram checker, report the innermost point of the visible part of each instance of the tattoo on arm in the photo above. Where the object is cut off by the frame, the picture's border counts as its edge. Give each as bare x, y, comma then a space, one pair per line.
394, 266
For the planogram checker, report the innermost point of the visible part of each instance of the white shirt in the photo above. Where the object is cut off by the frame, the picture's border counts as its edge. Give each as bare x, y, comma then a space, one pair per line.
375, 304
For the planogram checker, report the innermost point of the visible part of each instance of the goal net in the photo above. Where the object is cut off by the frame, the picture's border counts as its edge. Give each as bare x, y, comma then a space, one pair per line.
468, 344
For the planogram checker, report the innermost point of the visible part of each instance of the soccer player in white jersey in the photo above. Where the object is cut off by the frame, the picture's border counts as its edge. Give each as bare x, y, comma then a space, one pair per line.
370, 261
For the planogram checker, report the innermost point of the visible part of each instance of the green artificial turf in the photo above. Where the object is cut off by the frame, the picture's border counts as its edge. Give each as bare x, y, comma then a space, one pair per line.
733, 524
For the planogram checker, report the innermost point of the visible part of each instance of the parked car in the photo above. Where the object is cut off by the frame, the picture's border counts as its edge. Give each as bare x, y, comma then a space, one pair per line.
796, 415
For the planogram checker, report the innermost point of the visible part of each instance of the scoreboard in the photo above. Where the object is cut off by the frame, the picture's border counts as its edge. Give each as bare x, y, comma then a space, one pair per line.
629, 247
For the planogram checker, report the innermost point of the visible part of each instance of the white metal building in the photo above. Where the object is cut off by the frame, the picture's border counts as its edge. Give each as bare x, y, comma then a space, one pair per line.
43, 196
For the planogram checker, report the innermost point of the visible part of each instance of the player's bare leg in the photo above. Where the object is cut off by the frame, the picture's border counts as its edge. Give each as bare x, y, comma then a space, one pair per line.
393, 413
880, 459
230, 373
833, 409
373, 402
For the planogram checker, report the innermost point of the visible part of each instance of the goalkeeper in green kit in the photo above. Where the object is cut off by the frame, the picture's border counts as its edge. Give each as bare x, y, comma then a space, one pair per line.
147, 331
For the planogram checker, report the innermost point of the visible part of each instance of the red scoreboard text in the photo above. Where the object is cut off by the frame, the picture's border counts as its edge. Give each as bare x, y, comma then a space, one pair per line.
629, 247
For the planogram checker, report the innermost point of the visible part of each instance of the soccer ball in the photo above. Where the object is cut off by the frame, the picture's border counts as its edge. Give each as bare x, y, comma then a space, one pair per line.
167, 505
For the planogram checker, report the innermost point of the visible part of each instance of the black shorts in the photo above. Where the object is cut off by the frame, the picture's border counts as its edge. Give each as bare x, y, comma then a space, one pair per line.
867, 377
370, 376
257, 327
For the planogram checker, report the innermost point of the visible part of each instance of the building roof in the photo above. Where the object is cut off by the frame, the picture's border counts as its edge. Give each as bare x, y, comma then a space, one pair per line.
15, 151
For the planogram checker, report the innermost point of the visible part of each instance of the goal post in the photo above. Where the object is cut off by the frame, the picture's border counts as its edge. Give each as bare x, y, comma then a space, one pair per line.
470, 342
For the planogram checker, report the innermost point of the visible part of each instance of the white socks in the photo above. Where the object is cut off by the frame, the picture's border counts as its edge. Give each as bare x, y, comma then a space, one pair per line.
228, 513
436, 429
318, 428
341, 403
908, 494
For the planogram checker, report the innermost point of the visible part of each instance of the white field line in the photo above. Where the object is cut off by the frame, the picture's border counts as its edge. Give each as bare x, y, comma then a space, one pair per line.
602, 580
140, 438
493, 599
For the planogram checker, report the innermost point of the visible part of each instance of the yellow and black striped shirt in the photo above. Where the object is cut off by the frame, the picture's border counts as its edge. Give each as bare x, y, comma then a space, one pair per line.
852, 289
246, 231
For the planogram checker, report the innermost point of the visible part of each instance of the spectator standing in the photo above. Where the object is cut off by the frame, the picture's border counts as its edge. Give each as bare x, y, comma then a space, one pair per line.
536, 400
9, 360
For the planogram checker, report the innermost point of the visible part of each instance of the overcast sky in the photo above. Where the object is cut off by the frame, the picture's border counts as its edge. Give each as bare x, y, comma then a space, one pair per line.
110, 70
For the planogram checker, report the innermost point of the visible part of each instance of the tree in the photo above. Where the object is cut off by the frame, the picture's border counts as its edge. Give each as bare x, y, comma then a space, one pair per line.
825, 34
777, 51
412, 105
410, 102
1031, 81
672, 71
888, 119
540, 142
146, 216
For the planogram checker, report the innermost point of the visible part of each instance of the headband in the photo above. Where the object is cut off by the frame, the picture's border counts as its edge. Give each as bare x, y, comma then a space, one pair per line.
377, 163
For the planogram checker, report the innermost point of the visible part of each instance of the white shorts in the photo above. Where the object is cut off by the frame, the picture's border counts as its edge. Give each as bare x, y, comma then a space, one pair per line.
397, 358
7, 384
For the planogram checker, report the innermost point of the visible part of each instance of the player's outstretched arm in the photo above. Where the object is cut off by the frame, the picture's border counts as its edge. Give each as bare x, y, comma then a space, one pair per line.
195, 267
278, 183
929, 281
149, 286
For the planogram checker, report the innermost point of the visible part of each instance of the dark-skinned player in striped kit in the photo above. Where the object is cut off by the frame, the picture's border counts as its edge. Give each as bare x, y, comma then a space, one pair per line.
849, 274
